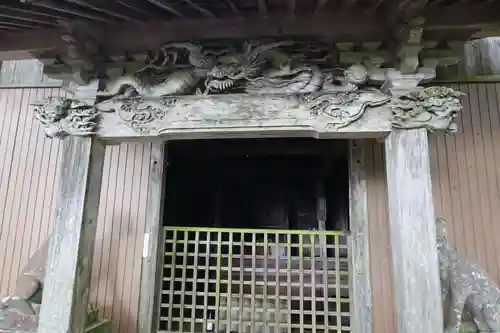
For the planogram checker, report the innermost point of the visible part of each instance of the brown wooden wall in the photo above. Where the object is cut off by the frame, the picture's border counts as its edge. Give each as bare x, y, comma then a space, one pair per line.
28, 184
465, 178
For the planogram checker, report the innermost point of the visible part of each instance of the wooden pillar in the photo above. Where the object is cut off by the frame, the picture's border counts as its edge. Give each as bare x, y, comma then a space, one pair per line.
66, 287
154, 243
359, 251
412, 232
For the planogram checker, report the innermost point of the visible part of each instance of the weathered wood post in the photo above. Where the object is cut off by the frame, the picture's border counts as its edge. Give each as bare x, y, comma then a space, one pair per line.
67, 279
411, 211
154, 243
412, 230
482, 58
361, 292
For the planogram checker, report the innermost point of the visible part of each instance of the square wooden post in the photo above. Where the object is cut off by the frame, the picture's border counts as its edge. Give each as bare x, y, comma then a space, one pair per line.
359, 255
154, 243
413, 233
66, 286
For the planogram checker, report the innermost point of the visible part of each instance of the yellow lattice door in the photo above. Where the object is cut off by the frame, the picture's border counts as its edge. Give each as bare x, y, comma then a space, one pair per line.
254, 281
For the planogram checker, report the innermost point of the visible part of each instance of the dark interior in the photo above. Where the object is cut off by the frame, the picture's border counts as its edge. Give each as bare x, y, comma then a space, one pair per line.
257, 183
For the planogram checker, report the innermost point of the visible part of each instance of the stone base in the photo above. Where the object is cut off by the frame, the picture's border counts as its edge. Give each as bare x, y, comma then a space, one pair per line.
14, 321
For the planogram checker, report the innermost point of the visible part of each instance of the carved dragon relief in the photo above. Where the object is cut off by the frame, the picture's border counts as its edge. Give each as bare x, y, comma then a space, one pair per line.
64, 116
182, 79
465, 287
432, 108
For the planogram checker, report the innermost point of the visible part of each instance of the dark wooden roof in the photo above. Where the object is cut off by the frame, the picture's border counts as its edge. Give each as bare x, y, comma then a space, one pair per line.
33, 26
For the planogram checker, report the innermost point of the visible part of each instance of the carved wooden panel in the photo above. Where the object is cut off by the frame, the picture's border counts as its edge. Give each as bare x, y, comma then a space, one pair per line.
465, 171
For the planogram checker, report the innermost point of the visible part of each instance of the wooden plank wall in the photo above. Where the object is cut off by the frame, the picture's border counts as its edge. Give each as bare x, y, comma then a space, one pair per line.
28, 186
24, 74
465, 178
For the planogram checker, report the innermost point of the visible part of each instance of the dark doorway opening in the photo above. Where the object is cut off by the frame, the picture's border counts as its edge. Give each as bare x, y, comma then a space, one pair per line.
258, 183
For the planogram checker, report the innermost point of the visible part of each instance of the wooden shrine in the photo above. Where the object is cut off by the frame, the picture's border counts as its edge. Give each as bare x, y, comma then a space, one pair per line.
169, 70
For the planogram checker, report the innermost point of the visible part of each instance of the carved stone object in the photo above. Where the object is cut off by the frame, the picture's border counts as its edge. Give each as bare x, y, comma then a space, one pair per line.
465, 286
20, 310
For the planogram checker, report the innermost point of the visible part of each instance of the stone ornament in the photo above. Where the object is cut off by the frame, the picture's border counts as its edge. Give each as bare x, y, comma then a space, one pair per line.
254, 83
19, 312
465, 287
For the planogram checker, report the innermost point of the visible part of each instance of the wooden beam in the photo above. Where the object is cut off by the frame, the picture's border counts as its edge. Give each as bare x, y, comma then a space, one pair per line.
67, 280
346, 26
227, 116
153, 246
482, 57
359, 269
139, 38
412, 232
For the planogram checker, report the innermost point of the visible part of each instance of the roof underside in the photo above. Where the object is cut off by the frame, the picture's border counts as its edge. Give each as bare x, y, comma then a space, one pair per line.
18, 15
35, 26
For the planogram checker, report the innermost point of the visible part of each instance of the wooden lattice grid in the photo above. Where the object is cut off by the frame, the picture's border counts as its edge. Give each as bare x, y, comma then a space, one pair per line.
196, 281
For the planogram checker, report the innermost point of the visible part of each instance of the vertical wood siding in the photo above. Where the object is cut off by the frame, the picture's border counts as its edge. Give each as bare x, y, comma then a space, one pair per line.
28, 186
465, 174
24, 73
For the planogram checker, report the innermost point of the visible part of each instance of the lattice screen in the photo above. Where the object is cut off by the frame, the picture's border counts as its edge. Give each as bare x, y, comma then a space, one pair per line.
254, 281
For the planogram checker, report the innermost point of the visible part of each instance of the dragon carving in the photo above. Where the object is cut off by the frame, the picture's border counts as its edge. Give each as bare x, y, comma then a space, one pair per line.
64, 116
465, 286
169, 79
258, 68
431, 108
231, 69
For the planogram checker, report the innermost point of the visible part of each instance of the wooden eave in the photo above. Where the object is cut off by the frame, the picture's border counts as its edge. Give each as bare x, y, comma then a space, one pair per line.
33, 28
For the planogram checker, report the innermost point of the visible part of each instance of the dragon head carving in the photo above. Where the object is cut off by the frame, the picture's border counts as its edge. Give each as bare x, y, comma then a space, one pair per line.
63, 116
231, 68
434, 108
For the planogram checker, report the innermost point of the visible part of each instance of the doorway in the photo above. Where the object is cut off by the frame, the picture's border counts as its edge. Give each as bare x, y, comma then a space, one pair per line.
256, 236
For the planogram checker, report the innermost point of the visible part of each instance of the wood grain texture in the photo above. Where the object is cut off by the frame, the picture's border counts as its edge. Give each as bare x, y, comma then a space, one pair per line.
361, 309
68, 272
413, 234
25, 74
457, 163
152, 261
221, 116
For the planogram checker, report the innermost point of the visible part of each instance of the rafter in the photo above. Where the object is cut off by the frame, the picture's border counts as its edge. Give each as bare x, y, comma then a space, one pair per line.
291, 6
345, 26
49, 4
202, 10
160, 4
112, 11
319, 5
262, 7
233, 7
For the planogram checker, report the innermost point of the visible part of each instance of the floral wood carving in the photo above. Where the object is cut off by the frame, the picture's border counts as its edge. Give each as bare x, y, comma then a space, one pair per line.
465, 286
64, 116
433, 108
332, 110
